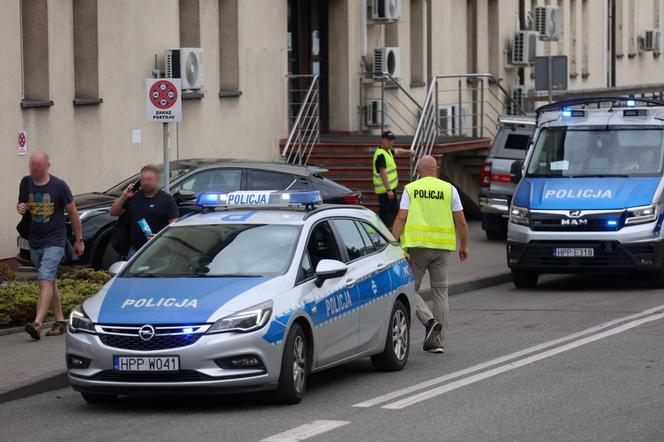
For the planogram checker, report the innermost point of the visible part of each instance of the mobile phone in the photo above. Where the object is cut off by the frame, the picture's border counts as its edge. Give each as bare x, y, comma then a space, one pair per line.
136, 186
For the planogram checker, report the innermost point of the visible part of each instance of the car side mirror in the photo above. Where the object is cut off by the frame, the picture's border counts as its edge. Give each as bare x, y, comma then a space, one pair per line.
116, 267
329, 269
184, 195
516, 171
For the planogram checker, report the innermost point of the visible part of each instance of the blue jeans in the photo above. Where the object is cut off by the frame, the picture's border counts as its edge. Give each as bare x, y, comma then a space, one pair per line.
46, 260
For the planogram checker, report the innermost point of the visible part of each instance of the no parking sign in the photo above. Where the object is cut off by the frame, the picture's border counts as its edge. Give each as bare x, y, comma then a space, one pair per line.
164, 100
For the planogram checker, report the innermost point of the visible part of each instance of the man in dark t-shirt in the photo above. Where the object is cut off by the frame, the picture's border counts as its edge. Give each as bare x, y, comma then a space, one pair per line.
148, 205
45, 199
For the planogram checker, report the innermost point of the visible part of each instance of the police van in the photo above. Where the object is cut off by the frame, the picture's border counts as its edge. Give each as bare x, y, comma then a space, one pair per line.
590, 192
256, 292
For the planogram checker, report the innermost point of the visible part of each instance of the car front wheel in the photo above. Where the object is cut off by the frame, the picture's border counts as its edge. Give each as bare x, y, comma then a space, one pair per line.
294, 367
397, 341
524, 279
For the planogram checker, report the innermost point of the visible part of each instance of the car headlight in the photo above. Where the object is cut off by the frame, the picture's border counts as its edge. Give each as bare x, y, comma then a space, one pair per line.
643, 214
244, 321
520, 215
79, 321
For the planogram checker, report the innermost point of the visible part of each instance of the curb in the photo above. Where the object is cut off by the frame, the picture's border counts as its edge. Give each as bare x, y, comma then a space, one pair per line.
55, 380
41, 384
468, 286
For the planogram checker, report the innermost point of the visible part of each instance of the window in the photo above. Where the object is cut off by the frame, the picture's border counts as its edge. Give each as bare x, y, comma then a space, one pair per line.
369, 246
218, 250
307, 270
264, 180
86, 52
379, 240
417, 27
190, 24
351, 238
294, 182
517, 141
322, 245
213, 180
34, 29
229, 51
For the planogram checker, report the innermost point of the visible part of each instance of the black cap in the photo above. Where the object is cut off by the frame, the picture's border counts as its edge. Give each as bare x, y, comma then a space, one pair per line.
389, 135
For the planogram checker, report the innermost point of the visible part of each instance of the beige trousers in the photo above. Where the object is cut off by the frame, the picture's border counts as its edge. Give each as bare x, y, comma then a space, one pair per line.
435, 261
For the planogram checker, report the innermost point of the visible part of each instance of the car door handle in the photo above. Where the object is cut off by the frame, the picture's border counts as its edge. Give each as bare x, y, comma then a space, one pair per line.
380, 266
350, 282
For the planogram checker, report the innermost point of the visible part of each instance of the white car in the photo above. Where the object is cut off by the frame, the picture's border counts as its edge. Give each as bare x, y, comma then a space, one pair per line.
256, 292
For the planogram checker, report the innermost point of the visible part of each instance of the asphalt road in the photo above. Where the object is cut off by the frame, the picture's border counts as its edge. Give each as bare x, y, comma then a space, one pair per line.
590, 366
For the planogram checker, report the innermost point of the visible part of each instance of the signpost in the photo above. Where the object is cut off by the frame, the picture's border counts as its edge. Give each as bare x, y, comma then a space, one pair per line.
22, 143
551, 74
164, 105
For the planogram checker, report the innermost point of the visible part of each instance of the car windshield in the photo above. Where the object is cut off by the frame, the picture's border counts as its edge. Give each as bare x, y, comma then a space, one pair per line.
217, 250
589, 152
176, 171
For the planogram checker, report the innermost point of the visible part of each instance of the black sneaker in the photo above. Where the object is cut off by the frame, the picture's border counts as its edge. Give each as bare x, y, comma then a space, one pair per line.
34, 330
433, 328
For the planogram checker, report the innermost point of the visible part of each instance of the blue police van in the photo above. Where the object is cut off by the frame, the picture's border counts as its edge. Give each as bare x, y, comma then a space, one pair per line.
589, 197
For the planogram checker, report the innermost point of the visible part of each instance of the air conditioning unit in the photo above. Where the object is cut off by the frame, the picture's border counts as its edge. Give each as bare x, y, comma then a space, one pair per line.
186, 64
515, 105
384, 10
651, 40
547, 22
375, 113
524, 47
448, 120
386, 60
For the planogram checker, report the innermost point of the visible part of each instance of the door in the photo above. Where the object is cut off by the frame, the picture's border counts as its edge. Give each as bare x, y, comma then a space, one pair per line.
308, 51
331, 306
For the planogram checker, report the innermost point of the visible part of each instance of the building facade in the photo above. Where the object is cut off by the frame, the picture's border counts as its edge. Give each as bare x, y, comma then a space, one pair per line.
74, 71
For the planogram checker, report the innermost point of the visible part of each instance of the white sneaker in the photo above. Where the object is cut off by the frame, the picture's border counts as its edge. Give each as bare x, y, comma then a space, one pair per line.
436, 350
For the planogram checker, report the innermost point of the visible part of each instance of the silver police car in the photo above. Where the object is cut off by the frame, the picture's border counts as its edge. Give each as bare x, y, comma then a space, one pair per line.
256, 292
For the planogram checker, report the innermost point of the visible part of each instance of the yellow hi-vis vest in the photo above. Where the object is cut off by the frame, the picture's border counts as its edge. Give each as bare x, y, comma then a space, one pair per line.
390, 168
430, 223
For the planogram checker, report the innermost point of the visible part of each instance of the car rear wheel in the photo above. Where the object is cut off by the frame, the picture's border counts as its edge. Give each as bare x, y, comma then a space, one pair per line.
397, 341
294, 367
524, 279
92, 398
496, 235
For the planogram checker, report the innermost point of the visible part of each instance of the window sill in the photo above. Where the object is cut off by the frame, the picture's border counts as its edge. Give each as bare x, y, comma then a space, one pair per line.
229, 94
87, 101
28, 104
414, 84
193, 95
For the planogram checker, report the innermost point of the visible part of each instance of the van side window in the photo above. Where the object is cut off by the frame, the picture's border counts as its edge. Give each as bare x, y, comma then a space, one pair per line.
517, 141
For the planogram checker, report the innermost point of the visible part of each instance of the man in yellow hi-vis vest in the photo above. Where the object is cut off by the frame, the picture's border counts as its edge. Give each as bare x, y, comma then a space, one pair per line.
429, 219
385, 177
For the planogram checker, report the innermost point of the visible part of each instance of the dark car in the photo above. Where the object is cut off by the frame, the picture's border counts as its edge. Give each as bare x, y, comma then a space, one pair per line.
188, 179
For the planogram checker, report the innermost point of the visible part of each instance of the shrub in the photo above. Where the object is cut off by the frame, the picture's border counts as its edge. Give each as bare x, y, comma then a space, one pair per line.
18, 300
83, 274
6, 273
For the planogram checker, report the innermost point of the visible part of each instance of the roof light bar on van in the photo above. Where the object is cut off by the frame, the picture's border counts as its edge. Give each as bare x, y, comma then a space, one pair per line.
572, 113
258, 198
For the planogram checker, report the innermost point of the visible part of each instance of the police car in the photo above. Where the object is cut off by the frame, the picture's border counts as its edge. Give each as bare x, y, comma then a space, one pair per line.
256, 292
592, 193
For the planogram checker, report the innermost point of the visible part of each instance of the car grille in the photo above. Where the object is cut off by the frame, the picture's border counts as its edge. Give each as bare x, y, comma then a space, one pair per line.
592, 222
151, 376
165, 337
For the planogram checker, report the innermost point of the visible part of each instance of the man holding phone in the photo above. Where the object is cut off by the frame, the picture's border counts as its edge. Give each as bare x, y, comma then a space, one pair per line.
149, 208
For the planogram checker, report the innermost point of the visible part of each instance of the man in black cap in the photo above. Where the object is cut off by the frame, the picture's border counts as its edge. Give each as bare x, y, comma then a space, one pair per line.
386, 178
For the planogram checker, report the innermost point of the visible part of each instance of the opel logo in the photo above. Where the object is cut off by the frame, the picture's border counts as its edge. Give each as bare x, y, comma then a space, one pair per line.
574, 213
146, 332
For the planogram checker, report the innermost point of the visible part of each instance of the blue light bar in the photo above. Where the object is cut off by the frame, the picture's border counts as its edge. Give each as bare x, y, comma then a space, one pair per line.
260, 198
612, 222
566, 113
630, 103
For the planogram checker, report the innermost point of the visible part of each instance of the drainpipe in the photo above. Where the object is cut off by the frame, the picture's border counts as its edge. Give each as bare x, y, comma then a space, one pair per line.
429, 40
612, 42
522, 20
364, 29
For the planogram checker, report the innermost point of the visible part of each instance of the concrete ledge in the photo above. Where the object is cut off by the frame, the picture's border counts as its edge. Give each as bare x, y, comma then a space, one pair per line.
469, 286
41, 384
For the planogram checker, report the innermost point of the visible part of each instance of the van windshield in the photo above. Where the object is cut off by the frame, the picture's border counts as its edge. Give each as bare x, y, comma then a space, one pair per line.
603, 152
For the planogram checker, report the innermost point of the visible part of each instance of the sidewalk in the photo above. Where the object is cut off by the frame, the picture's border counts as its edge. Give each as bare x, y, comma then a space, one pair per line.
30, 367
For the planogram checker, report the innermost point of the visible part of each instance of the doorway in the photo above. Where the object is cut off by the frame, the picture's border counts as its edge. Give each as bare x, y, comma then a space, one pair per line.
308, 52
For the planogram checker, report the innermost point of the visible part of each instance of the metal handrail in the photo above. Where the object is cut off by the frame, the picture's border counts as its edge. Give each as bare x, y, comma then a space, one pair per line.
305, 132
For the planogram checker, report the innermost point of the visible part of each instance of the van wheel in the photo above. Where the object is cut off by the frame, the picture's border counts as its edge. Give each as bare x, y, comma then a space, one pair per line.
524, 279
397, 341
294, 367
496, 235
92, 398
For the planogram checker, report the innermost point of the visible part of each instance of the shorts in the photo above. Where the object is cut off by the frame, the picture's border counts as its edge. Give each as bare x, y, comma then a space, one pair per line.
46, 261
